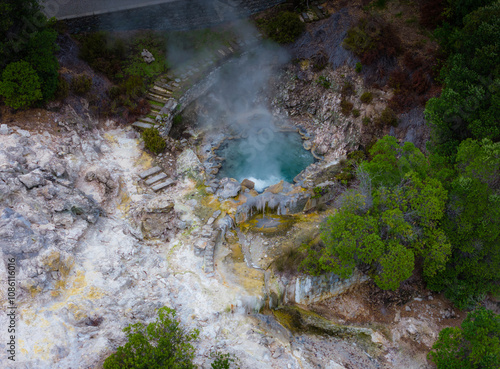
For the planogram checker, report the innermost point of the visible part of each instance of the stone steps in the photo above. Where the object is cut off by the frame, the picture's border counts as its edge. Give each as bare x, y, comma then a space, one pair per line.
157, 98
162, 185
156, 178
142, 125
149, 172
160, 93
146, 119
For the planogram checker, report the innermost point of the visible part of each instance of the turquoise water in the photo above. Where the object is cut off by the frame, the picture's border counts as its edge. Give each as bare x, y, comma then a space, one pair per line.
265, 158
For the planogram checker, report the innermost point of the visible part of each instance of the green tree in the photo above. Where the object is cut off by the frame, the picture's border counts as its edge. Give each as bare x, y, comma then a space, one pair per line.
469, 105
40, 53
162, 344
472, 224
385, 230
20, 85
475, 345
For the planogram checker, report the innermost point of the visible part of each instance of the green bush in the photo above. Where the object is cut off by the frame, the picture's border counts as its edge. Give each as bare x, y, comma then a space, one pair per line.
62, 91
41, 50
355, 113
387, 117
324, 82
347, 89
283, 28
223, 361
359, 67
162, 344
20, 85
474, 345
346, 107
153, 141
81, 84
366, 97
366, 121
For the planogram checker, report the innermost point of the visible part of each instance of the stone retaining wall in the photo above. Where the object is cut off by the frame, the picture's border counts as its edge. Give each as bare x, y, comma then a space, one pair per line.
176, 15
310, 289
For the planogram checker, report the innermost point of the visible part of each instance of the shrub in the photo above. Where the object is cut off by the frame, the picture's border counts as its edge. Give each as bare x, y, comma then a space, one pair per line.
40, 54
355, 113
366, 121
153, 141
62, 88
177, 120
366, 97
324, 82
371, 39
387, 117
20, 85
284, 28
320, 61
290, 260
81, 84
347, 89
346, 107
476, 344
359, 67
162, 344
222, 361
101, 55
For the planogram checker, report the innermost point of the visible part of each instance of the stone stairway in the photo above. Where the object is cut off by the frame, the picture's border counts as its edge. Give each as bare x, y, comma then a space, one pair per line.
156, 179
168, 90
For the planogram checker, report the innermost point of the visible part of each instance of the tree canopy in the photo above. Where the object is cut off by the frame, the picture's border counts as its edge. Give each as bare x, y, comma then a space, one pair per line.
159, 345
26, 35
387, 229
474, 345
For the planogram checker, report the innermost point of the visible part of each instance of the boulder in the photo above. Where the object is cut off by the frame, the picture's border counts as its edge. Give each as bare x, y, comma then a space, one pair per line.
16, 234
32, 179
229, 187
147, 56
189, 162
248, 184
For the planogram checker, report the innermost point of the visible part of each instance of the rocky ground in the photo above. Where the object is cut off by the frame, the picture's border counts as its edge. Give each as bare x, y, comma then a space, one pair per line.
91, 260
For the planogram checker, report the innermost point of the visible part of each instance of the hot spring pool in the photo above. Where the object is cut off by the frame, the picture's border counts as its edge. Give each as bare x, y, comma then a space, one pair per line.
264, 158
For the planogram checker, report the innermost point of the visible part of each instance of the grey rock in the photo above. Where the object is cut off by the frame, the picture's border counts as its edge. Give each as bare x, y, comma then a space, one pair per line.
229, 188
189, 162
32, 179
16, 234
4, 129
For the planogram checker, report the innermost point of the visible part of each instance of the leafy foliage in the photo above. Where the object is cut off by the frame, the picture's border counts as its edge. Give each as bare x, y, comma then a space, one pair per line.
472, 224
26, 35
81, 84
384, 230
475, 345
20, 85
371, 39
469, 106
283, 28
153, 141
366, 97
162, 344
223, 360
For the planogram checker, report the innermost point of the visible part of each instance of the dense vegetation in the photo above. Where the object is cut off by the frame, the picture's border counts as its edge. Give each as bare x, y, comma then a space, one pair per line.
28, 65
474, 345
163, 344
283, 27
440, 211
469, 106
